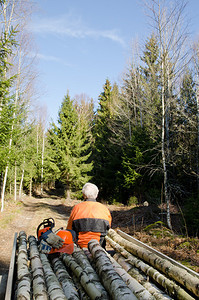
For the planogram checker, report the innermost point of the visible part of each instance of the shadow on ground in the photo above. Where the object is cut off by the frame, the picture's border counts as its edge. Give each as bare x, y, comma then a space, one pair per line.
61, 209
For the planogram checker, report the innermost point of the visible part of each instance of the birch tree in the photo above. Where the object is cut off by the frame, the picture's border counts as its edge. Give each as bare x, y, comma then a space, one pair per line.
167, 19
14, 15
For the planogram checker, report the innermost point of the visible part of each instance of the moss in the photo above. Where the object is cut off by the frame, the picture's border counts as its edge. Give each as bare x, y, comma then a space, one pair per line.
158, 229
185, 245
154, 225
187, 264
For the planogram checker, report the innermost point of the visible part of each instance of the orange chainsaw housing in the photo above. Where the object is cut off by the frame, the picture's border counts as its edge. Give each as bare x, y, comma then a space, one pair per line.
66, 235
68, 244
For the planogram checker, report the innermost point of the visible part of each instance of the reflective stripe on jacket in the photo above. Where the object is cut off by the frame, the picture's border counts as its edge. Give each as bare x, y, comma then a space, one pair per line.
90, 220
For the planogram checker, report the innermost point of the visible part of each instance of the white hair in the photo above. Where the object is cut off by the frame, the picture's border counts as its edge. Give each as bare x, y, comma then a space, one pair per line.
90, 190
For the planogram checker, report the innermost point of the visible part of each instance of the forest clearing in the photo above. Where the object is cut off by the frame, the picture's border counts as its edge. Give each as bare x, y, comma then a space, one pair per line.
27, 214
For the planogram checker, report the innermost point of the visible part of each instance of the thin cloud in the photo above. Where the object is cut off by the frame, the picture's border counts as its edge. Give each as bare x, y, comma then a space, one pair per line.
48, 58
74, 28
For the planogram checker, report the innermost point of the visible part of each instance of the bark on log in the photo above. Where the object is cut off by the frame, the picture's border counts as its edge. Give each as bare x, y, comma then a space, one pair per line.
113, 283
65, 279
23, 273
39, 285
82, 260
82, 276
170, 287
142, 279
138, 289
174, 272
82, 294
55, 291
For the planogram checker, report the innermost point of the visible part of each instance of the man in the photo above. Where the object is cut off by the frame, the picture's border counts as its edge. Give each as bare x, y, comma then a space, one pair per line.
90, 219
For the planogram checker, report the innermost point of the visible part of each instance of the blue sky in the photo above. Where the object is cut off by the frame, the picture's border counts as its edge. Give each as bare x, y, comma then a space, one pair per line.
81, 43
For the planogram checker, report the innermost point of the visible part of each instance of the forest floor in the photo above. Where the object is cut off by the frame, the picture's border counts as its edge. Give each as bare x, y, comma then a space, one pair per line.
28, 213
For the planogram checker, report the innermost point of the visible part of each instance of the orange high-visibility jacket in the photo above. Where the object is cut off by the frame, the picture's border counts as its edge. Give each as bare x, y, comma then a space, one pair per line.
90, 220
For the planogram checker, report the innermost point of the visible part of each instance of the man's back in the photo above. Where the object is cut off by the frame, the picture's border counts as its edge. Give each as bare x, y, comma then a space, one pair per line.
90, 220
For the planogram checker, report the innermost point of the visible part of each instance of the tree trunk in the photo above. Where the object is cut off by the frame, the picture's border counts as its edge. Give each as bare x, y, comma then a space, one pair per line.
39, 286
67, 188
82, 294
81, 258
82, 276
65, 279
23, 274
15, 183
54, 289
165, 175
174, 272
30, 187
113, 283
141, 278
138, 289
3, 188
42, 164
21, 182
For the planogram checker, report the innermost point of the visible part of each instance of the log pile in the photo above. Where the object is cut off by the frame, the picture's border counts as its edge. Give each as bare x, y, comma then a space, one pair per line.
130, 273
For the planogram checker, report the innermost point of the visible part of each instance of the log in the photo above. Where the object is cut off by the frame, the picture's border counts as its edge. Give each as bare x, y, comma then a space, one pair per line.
82, 294
23, 273
132, 271
65, 279
138, 289
189, 281
55, 291
38, 283
82, 276
113, 283
171, 287
82, 260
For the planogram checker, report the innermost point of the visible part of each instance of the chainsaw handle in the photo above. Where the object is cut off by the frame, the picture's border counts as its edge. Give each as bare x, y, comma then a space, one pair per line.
49, 222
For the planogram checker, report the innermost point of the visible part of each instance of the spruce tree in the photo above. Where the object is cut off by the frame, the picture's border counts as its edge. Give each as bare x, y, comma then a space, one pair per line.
106, 154
150, 82
70, 145
185, 135
7, 43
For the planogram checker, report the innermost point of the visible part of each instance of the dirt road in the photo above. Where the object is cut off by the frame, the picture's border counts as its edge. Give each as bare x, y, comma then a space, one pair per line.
27, 215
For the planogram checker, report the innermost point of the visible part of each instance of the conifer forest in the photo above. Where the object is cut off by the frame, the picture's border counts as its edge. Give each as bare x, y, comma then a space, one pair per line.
140, 144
